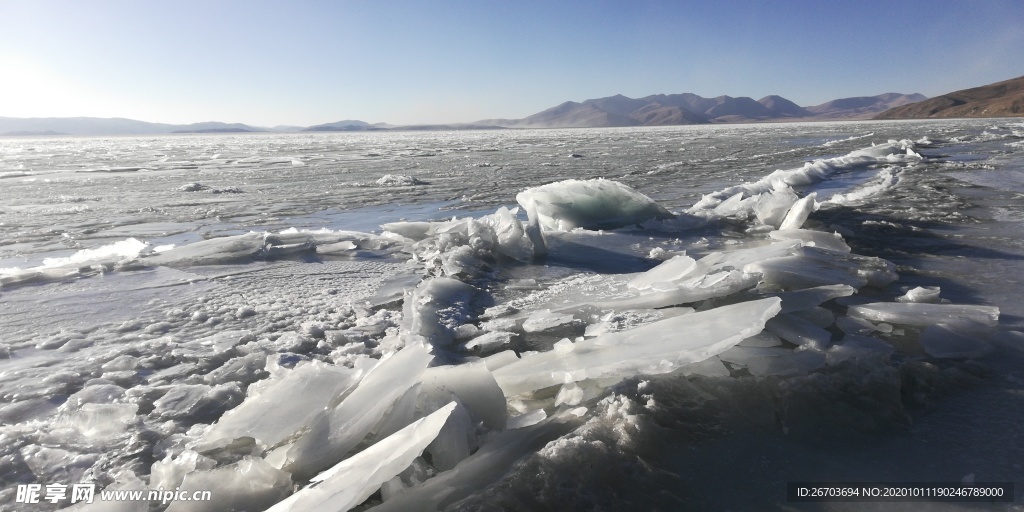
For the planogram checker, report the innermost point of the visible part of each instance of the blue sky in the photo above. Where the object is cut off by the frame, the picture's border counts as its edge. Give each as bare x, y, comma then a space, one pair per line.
308, 62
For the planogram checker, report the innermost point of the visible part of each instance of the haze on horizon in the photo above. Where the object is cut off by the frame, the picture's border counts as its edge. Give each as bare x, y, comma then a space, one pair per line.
406, 62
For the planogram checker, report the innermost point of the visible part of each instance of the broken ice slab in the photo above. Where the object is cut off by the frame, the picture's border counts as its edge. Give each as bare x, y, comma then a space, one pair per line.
212, 345
26, 410
735, 259
99, 423
323, 241
504, 358
52, 464
282, 407
417, 473
82, 263
855, 326
336, 248
654, 348
213, 251
819, 239
853, 346
681, 281
569, 394
475, 387
351, 481
670, 270
182, 400
456, 440
710, 367
490, 340
544, 320
170, 472
798, 213
910, 313
771, 361
589, 204
511, 234
718, 284
398, 180
336, 431
810, 266
492, 461
798, 331
250, 484
762, 339
412, 230
946, 341
796, 272
526, 419
818, 316
436, 308
734, 204
808, 298
925, 294
772, 206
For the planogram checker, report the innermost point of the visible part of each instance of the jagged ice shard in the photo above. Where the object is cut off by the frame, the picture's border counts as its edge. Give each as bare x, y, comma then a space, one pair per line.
659, 347
350, 482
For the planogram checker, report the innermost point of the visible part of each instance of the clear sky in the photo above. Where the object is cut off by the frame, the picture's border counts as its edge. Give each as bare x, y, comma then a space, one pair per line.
434, 61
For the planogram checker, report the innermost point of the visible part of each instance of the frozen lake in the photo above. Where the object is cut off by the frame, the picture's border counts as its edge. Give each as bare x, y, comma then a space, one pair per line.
250, 314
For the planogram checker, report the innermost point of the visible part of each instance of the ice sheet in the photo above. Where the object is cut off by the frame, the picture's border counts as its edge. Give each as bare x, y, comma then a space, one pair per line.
651, 349
281, 409
922, 314
337, 430
348, 483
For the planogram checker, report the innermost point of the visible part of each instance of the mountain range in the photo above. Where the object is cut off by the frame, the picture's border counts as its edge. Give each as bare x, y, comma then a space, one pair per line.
687, 108
109, 126
1001, 99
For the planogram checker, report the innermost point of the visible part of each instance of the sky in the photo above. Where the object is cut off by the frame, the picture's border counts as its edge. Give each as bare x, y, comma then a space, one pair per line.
301, 62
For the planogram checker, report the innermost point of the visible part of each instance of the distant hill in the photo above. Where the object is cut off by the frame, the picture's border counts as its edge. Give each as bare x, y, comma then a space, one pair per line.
347, 125
215, 127
863, 107
742, 107
109, 126
577, 115
688, 108
783, 107
657, 114
27, 133
1001, 99
83, 125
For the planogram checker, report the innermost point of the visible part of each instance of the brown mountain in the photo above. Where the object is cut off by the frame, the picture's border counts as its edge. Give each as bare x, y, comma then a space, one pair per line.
688, 108
576, 115
743, 107
783, 107
1001, 99
862, 107
656, 114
